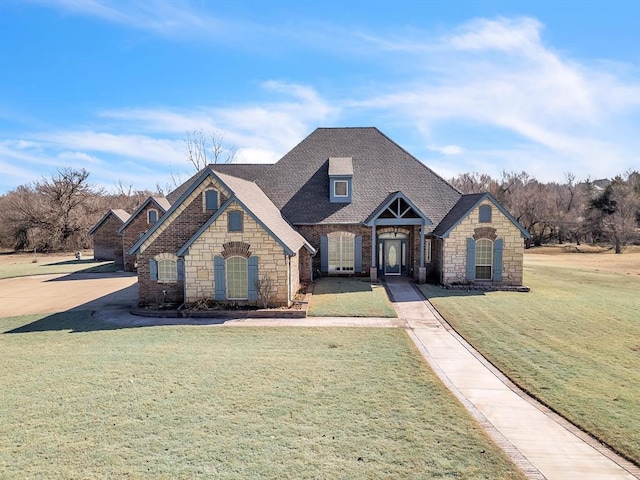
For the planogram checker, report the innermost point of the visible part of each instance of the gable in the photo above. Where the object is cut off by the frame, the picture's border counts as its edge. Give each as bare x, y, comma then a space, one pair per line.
159, 203
469, 208
119, 215
192, 199
299, 184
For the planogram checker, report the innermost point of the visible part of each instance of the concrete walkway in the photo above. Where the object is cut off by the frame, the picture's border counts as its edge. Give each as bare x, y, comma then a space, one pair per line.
541, 442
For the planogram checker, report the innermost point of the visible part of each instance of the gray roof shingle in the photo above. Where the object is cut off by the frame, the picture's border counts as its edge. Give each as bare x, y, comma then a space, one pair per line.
119, 213
298, 184
458, 212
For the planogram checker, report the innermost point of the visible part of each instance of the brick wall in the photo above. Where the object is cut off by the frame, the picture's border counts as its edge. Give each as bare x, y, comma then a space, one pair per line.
455, 247
136, 228
107, 242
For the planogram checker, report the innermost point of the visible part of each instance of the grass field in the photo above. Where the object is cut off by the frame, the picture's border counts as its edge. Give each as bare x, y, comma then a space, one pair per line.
349, 297
226, 403
573, 341
25, 264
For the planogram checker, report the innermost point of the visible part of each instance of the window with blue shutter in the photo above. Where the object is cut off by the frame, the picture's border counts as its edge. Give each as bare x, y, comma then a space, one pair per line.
485, 214
153, 269
235, 221
324, 254
498, 246
471, 259
211, 199
181, 269
358, 254
219, 278
253, 278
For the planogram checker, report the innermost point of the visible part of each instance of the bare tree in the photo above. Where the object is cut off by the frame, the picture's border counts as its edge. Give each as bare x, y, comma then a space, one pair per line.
616, 211
203, 148
473, 182
53, 214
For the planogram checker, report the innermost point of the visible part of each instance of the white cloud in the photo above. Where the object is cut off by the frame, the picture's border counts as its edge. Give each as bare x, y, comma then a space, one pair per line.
447, 149
498, 76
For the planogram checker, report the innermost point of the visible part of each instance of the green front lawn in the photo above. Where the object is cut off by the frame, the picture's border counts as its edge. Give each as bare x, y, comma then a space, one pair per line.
89, 401
573, 341
349, 297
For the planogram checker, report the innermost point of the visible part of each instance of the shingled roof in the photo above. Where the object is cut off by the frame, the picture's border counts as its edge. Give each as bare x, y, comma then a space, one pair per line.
263, 211
119, 213
246, 171
298, 184
464, 206
159, 202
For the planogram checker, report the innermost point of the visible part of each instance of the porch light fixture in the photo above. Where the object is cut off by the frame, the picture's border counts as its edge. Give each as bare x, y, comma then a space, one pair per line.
395, 231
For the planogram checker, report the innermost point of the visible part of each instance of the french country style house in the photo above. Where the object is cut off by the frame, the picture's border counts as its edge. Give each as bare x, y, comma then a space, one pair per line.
345, 201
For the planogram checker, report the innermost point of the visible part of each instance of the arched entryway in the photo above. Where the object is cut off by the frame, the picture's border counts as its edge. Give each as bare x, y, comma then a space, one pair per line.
393, 253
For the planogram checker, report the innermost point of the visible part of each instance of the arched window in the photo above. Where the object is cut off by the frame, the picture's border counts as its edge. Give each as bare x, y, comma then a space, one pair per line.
167, 270
152, 216
341, 252
237, 280
210, 199
484, 259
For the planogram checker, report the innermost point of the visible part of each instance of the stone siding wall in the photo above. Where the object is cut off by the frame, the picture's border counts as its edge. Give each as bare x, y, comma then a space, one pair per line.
185, 221
107, 242
455, 247
272, 263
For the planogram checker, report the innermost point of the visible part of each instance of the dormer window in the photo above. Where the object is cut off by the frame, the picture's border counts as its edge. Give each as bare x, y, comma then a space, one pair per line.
340, 188
340, 179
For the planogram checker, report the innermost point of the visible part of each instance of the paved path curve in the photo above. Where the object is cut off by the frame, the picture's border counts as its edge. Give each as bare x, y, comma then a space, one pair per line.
541, 442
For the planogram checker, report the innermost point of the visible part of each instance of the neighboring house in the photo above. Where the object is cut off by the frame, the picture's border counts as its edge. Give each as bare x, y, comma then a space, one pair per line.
107, 240
345, 201
146, 215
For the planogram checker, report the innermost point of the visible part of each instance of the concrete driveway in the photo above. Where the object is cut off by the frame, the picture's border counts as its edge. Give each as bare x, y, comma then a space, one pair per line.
62, 292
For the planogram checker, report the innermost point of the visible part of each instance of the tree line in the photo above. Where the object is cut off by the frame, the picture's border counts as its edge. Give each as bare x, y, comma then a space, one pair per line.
602, 211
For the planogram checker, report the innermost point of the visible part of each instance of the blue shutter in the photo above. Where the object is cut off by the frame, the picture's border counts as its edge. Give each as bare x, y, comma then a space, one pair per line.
358, 254
471, 259
324, 254
153, 269
180, 265
497, 259
252, 283
219, 278
211, 199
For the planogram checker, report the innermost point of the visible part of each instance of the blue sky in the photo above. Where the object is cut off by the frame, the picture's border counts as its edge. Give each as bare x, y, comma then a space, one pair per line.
548, 87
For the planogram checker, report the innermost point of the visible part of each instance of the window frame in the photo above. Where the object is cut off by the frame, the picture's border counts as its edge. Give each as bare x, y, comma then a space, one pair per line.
346, 188
172, 270
483, 261
229, 270
484, 214
240, 215
427, 250
149, 212
205, 205
342, 260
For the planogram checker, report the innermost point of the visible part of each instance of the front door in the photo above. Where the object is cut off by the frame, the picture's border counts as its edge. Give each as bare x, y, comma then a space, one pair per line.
392, 257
